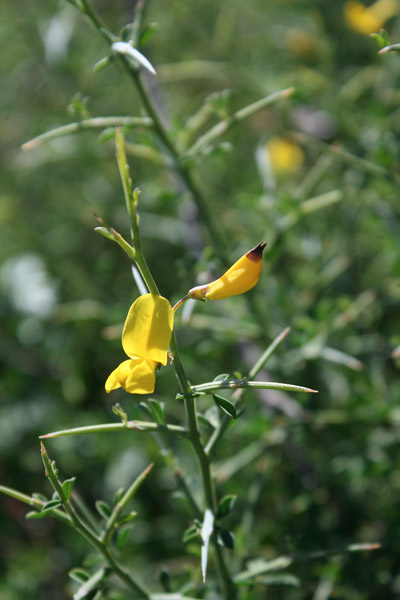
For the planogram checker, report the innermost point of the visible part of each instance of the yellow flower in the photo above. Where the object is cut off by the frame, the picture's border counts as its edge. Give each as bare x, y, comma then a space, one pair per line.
285, 156
241, 277
145, 339
367, 20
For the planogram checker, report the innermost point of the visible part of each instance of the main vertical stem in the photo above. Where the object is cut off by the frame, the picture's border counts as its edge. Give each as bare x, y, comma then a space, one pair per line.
205, 467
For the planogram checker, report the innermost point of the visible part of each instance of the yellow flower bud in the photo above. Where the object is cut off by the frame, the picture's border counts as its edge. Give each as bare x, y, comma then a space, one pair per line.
145, 339
241, 277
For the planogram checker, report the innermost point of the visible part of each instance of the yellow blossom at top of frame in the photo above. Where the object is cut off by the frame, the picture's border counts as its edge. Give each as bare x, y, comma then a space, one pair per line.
145, 339
369, 19
285, 156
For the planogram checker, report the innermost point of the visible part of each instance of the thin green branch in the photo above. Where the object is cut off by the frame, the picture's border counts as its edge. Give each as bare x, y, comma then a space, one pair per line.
87, 10
119, 507
237, 117
85, 124
260, 364
283, 562
362, 164
233, 384
139, 426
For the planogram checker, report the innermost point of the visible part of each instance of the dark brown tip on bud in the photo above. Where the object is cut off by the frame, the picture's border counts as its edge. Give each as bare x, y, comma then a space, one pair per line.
255, 254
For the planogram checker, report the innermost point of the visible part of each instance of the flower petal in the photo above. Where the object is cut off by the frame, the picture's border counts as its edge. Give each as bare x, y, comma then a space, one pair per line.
118, 377
148, 328
141, 379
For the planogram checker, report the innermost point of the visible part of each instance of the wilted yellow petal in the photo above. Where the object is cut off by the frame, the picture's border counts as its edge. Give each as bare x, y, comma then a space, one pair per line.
148, 328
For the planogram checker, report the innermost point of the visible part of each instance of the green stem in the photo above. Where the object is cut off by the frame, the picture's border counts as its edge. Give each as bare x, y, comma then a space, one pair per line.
204, 464
95, 123
92, 16
35, 502
183, 170
139, 426
239, 116
119, 507
233, 384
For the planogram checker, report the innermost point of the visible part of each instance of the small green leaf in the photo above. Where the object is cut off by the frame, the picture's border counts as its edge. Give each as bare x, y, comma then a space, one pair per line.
93, 584
33, 514
103, 63
80, 575
147, 33
118, 495
122, 536
222, 377
158, 410
225, 537
103, 509
205, 422
225, 405
106, 135
127, 518
40, 497
219, 103
284, 579
104, 232
381, 38
146, 409
191, 533
51, 504
225, 506
165, 580
67, 486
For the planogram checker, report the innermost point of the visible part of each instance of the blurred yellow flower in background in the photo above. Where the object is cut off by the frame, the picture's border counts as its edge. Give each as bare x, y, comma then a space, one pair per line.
285, 156
145, 339
369, 19
300, 41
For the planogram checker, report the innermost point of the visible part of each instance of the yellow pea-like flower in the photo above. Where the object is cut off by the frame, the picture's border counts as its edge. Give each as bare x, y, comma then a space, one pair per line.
241, 277
145, 339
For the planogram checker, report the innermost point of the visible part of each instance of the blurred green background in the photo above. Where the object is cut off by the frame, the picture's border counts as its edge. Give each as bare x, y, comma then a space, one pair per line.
316, 176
